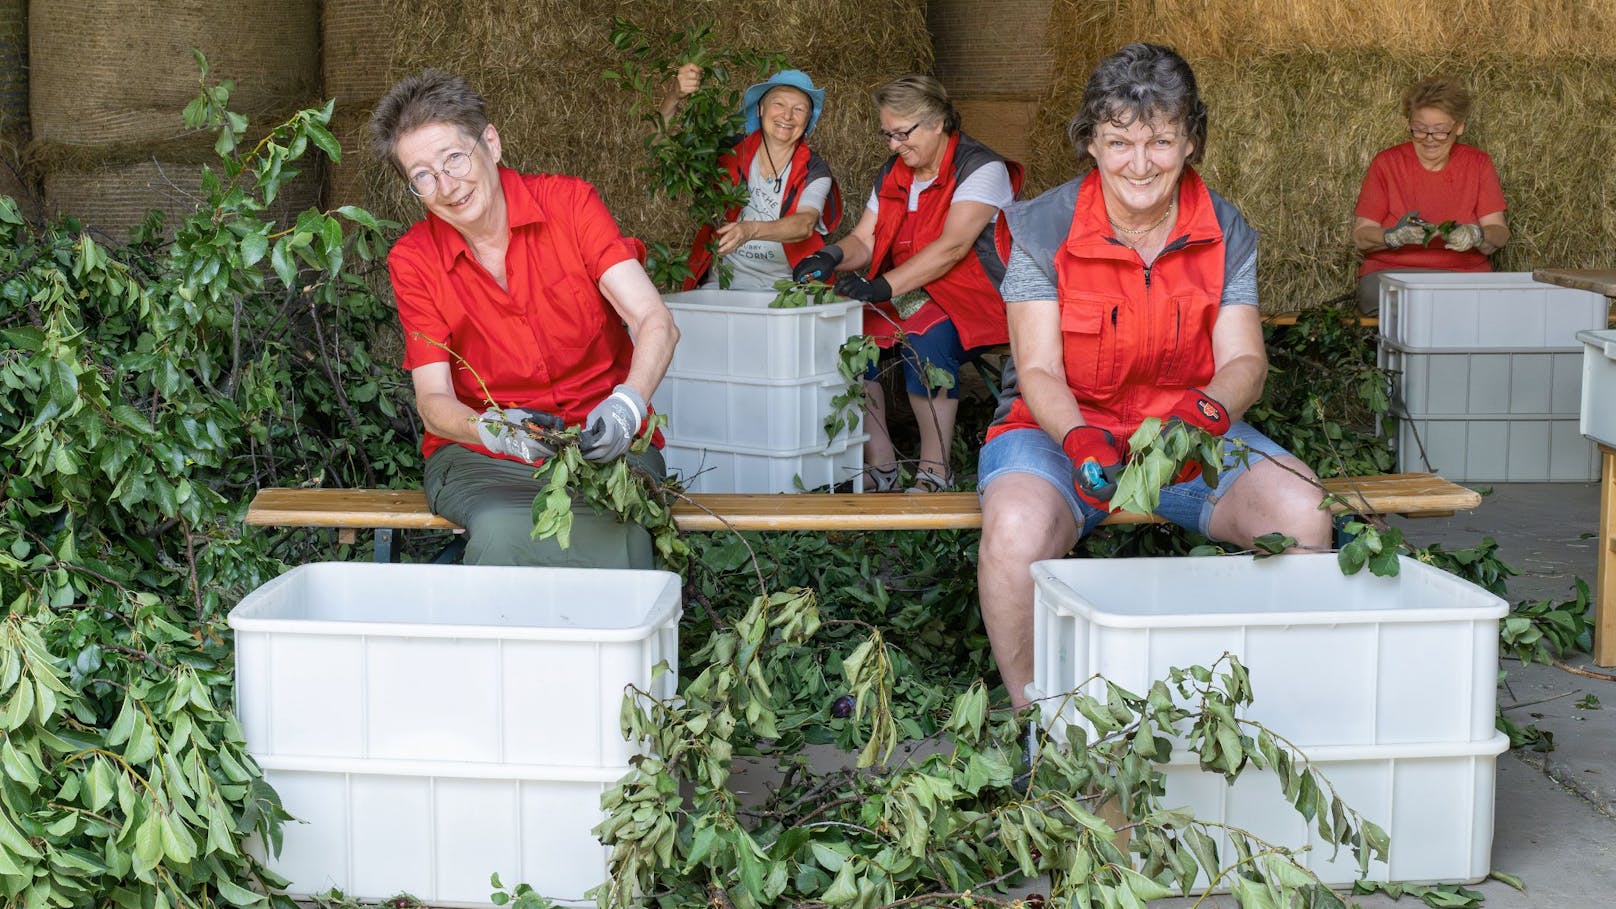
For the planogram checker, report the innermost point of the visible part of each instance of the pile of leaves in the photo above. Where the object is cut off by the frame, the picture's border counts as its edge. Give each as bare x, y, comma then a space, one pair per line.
145, 391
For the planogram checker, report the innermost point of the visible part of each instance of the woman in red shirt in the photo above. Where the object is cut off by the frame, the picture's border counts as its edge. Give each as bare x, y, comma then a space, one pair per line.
1413, 188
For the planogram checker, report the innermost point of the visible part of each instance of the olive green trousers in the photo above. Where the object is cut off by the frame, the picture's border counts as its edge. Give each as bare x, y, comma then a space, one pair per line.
493, 499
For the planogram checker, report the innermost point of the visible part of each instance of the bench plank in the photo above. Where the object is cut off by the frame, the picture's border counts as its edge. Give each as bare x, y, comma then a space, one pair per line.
1413, 495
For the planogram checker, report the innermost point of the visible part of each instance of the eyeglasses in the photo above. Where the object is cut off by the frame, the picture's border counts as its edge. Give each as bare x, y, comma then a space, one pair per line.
1439, 135
898, 135
457, 165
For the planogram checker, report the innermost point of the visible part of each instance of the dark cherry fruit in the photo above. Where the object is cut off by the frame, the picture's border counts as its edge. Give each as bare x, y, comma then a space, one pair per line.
842, 708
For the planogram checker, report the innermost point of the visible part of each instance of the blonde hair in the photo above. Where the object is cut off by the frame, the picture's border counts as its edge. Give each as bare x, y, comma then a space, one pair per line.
921, 97
1441, 93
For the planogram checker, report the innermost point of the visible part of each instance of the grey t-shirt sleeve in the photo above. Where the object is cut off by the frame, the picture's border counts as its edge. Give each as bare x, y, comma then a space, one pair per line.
1024, 279
1240, 288
814, 196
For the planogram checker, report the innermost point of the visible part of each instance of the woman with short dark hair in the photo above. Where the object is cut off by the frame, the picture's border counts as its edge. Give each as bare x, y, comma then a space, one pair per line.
1131, 293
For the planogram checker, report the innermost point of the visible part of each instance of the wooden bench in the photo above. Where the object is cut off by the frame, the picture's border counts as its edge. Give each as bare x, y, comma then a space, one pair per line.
387, 511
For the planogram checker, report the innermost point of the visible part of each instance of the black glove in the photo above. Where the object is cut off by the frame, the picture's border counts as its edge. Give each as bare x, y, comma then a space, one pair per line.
818, 266
858, 287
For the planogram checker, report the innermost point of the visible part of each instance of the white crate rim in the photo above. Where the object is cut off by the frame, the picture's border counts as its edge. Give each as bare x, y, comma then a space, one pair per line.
823, 379
1299, 614
834, 308
1599, 337
545, 773
242, 617
1399, 346
843, 441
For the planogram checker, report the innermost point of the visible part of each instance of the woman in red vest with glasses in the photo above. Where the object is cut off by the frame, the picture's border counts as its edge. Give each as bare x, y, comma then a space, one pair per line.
1131, 293
923, 256
792, 198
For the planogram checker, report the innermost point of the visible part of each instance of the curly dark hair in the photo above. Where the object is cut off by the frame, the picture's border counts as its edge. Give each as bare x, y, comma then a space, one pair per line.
1140, 83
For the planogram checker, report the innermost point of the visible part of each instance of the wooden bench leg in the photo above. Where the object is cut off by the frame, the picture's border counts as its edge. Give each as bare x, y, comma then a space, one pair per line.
1605, 581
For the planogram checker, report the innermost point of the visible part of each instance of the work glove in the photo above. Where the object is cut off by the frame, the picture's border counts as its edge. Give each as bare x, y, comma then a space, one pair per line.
610, 428
1409, 230
1464, 237
858, 287
1098, 461
818, 266
514, 431
1196, 408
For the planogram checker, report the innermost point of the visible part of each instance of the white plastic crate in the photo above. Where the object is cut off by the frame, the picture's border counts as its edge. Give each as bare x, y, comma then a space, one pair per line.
520, 666
438, 830
734, 333
1598, 404
1352, 660
1522, 448
1477, 310
1431, 383
1434, 800
721, 469
775, 415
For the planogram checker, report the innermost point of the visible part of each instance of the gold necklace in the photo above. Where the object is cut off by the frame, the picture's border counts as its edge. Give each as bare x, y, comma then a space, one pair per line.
1136, 231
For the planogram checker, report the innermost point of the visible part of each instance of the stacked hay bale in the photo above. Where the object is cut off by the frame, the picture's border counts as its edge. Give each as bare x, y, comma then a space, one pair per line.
994, 61
1302, 96
13, 97
358, 60
541, 63
110, 78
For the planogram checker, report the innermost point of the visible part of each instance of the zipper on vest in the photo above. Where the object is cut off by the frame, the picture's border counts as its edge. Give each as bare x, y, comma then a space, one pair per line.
1147, 275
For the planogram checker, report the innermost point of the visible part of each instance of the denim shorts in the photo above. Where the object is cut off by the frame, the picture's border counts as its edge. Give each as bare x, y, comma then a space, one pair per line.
939, 346
1188, 505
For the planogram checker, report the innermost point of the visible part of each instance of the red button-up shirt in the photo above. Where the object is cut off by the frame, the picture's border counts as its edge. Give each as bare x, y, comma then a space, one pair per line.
552, 342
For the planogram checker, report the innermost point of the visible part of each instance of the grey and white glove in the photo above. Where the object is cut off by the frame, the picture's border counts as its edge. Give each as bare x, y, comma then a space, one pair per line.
610, 428
1409, 229
1465, 237
501, 430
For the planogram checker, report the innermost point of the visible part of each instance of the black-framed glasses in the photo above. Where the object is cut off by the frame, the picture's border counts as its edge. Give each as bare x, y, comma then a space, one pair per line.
457, 165
1440, 135
898, 135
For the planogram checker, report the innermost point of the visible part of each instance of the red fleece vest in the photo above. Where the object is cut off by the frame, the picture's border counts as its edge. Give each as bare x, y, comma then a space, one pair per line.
1135, 338
969, 296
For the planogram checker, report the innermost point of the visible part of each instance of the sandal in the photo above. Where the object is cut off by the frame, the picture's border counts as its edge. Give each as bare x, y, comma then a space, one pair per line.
928, 481
881, 479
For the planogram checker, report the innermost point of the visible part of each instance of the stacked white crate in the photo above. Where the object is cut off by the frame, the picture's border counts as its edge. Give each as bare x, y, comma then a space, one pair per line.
1598, 405
1487, 374
1388, 686
429, 725
748, 391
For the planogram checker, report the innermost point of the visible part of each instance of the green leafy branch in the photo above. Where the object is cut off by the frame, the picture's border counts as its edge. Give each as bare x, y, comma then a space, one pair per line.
684, 153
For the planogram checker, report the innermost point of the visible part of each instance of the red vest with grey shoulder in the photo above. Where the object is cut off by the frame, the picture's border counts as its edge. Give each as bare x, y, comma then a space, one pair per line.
968, 292
1134, 337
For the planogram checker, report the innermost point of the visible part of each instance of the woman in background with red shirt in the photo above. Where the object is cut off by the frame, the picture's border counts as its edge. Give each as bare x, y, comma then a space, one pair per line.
1413, 188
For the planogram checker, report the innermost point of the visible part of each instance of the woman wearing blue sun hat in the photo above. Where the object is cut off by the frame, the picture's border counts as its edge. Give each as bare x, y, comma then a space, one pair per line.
793, 198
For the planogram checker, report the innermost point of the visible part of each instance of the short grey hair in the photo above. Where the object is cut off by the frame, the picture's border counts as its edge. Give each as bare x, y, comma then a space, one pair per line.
430, 96
1140, 83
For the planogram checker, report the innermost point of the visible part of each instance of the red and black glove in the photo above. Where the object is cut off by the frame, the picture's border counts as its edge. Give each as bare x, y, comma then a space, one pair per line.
1197, 408
1098, 461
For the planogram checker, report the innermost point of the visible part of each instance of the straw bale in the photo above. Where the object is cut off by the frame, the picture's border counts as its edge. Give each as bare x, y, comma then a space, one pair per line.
13, 67
1240, 28
356, 41
540, 65
991, 50
116, 197
122, 70
1291, 135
